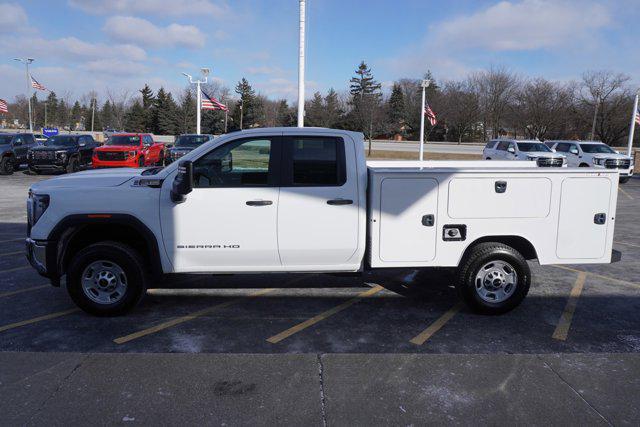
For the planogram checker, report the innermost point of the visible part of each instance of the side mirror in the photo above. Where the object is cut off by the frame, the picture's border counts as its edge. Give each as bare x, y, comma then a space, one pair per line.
183, 182
574, 151
511, 150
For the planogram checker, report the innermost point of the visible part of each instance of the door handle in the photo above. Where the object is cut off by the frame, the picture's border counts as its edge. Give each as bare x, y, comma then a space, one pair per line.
259, 203
340, 202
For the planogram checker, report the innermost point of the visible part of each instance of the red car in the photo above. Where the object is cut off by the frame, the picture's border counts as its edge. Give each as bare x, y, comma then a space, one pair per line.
129, 150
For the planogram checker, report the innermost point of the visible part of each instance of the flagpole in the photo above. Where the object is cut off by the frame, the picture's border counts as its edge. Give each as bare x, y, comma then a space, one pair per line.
93, 113
198, 109
26, 62
301, 66
226, 114
425, 85
632, 127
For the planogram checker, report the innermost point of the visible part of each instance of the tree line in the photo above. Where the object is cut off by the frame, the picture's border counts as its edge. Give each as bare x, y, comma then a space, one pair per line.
486, 104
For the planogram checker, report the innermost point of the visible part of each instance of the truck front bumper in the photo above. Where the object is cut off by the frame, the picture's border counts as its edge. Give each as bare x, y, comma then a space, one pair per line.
39, 254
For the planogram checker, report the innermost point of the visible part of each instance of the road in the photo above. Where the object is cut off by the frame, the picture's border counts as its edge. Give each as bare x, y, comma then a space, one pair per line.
391, 347
430, 147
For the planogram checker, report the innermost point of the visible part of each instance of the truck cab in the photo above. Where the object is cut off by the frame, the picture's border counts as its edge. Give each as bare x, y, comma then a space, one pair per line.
305, 200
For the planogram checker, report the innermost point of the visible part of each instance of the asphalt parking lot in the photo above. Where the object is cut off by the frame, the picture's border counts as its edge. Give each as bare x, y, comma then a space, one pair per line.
389, 347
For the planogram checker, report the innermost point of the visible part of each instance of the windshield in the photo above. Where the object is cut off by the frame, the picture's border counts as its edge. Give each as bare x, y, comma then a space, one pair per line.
67, 141
5, 139
191, 140
596, 149
124, 140
533, 146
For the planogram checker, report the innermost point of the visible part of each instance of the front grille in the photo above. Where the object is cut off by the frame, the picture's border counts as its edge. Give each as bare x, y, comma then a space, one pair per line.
111, 155
617, 163
41, 155
549, 162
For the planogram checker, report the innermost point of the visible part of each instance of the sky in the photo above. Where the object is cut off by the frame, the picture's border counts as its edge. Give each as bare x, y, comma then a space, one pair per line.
119, 45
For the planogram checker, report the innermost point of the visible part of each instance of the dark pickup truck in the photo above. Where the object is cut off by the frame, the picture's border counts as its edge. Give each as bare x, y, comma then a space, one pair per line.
13, 150
62, 153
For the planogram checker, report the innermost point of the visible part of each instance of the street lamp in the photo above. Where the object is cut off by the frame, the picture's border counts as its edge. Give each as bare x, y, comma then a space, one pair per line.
205, 73
425, 84
26, 62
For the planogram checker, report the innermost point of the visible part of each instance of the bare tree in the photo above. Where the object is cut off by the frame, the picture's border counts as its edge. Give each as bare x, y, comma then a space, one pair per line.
119, 103
596, 89
496, 89
459, 107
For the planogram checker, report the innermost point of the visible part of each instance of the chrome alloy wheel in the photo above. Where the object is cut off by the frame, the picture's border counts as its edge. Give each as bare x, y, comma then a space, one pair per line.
104, 282
496, 281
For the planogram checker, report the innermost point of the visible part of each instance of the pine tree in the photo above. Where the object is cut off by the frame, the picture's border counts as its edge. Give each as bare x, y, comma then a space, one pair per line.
187, 113
76, 115
52, 110
37, 112
363, 83
135, 118
397, 109
147, 103
365, 99
107, 115
333, 111
164, 113
248, 106
284, 114
314, 111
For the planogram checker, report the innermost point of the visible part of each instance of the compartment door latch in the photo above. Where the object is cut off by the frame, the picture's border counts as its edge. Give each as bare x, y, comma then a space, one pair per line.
501, 186
428, 220
600, 218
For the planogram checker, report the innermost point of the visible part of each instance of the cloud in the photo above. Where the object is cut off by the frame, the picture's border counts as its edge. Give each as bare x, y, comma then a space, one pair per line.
115, 67
523, 25
12, 17
154, 7
128, 29
69, 48
264, 69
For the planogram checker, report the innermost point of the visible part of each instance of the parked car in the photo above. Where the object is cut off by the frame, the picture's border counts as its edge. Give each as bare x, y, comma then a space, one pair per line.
595, 154
184, 144
129, 150
510, 149
13, 150
306, 200
62, 153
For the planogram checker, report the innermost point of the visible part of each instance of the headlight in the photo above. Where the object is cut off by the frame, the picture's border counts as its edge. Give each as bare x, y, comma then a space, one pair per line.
532, 158
132, 153
61, 154
36, 205
598, 161
564, 161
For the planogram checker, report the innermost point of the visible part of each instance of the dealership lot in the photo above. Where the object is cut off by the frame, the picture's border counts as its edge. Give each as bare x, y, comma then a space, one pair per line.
394, 345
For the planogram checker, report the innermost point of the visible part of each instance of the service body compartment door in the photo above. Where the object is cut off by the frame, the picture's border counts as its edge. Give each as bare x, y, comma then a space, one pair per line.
408, 221
580, 234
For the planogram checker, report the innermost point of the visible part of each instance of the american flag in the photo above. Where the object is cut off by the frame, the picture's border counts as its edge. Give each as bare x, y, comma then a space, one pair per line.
4, 108
37, 85
431, 116
638, 116
210, 103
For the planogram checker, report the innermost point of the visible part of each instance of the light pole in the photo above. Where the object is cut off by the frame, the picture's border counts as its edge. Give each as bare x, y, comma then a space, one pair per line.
26, 62
93, 113
241, 110
632, 127
595, 116
425, 84
301, 67
205, 73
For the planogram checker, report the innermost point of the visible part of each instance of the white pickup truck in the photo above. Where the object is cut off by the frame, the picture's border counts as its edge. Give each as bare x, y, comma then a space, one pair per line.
306, 200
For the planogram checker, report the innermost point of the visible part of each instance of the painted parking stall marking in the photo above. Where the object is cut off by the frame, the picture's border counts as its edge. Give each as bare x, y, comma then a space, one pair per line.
312, 321
423, 336
188, 317
38, 319
562, 330
20, 291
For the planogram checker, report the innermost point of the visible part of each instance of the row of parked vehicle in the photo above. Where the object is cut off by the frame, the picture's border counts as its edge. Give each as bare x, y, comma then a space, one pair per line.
71, 153
594, 154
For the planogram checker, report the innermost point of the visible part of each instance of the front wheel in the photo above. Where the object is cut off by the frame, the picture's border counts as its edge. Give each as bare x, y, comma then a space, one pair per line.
73, 165
106, 279
141, 162
6, 166
493, 278
624, 179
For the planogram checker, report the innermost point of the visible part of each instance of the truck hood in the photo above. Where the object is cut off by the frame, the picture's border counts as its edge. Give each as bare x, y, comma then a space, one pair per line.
610, 156
89, 179
118, 148
543, 154
52, 148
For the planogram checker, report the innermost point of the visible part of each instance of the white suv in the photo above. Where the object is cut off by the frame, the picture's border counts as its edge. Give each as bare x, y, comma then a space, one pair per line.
594, 154
510, 149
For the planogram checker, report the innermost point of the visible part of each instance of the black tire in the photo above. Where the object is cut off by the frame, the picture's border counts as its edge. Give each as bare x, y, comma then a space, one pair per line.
123, 256
583, 165
72, 166
34, 171
141, 162
480, 256
624, 179
6, 165
160, 160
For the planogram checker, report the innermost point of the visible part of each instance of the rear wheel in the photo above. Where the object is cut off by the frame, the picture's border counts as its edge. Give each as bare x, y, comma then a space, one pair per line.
33, 171
72, 166
141, 162
106, 278
493, 278
6, 165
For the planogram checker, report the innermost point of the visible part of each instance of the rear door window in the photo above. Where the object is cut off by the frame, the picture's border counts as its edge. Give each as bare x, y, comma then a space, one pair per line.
314, 162
502, 145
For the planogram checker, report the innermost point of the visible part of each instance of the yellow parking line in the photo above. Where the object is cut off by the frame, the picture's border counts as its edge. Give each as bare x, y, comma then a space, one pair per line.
11, 253
15, 269
626, 244
37, 319
423, 336
562, 329
312, 321
33, 288
12, 240
625, 193
179, 320
601, 276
